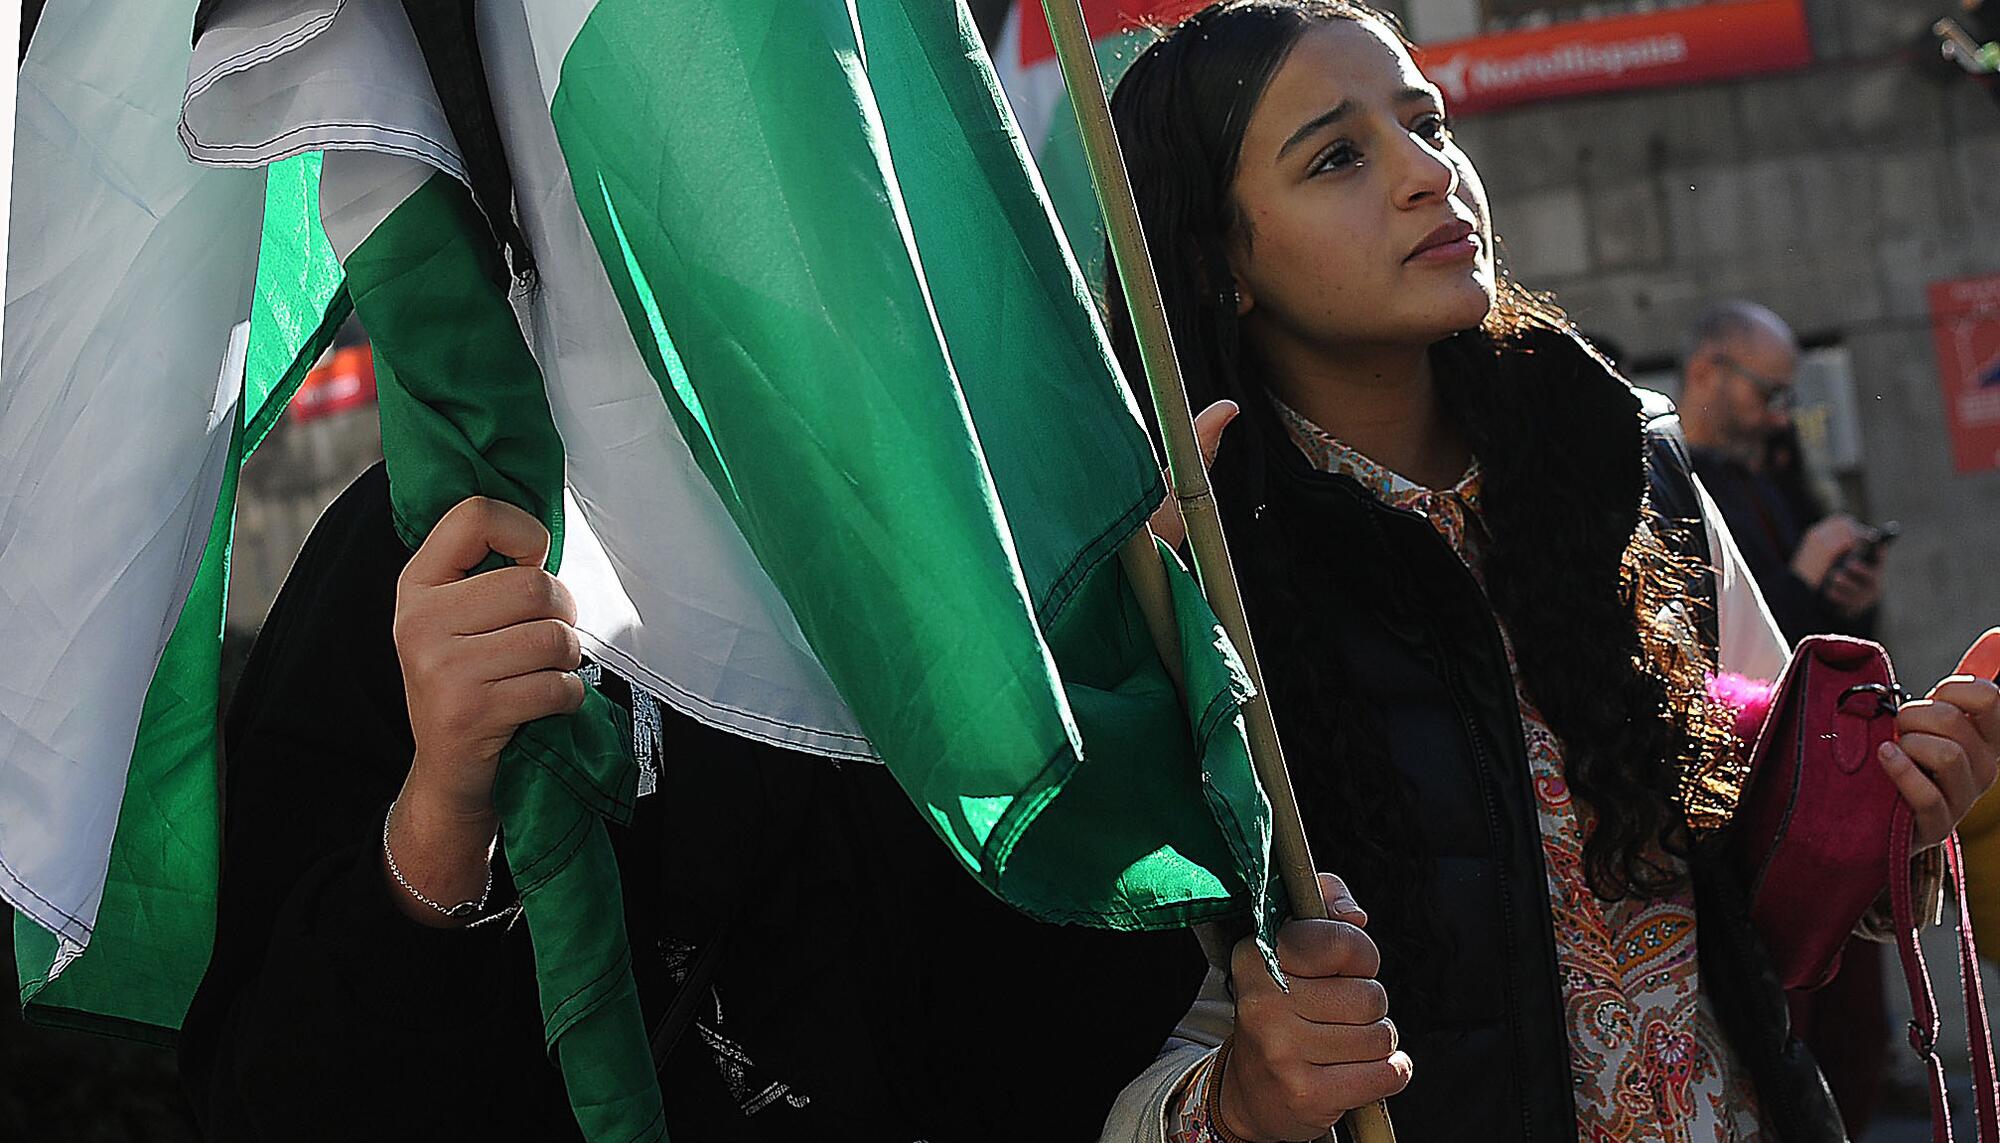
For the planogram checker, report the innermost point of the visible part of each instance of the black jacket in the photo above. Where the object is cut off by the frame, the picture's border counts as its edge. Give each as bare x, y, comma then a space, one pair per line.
1394, 615
812, 962
1768, 530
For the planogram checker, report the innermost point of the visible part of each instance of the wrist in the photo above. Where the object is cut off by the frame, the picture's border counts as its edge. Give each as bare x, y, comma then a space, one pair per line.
1222, 1116
435, 858
435, 794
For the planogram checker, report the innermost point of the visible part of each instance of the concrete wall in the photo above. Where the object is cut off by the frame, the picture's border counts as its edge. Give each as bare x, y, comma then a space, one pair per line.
1833, 195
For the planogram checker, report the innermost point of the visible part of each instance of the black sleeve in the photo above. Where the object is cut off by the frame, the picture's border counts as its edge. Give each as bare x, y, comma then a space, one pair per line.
326, 1013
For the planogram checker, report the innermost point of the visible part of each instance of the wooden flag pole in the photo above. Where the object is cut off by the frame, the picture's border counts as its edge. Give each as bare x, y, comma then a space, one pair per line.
1186, 470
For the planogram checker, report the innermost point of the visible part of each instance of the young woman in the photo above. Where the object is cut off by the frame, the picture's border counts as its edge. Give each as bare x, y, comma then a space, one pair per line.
1488, 643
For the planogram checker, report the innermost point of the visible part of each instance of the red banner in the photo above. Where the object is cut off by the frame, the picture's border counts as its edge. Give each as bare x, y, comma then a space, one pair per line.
1680, 46
1965, 327
345, 381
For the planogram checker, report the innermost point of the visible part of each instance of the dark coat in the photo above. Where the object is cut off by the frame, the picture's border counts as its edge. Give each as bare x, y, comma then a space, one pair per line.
1416, 643
811, 961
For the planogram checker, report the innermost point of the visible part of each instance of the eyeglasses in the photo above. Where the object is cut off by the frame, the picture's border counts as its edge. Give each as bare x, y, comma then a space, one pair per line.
1777, 393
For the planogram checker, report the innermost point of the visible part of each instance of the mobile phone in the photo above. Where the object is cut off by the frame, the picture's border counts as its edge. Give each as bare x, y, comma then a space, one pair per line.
1880, 538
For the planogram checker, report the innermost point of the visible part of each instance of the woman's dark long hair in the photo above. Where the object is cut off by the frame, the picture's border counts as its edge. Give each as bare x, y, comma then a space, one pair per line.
1626, 697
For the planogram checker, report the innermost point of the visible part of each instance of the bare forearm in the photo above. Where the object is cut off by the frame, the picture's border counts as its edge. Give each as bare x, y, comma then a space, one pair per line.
443, 852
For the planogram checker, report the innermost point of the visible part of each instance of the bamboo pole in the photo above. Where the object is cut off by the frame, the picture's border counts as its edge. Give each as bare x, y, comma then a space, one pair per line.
1185, 468
1148, 577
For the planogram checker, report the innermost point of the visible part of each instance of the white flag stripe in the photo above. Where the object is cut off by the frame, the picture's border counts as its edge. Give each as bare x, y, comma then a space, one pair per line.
10, 33
106, 385
269, 82
553, 26
358, 189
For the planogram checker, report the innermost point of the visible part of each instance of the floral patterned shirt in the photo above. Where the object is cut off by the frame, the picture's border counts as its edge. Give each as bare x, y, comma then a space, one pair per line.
1648, 1059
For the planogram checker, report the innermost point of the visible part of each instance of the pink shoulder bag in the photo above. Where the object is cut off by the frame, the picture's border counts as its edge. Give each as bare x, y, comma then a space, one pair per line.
1821, 831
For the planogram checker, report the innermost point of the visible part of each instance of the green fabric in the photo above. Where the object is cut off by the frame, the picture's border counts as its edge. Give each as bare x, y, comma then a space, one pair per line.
900, 391
858, 308
156, 925
460, 396
431, 290
553, 813
300, 299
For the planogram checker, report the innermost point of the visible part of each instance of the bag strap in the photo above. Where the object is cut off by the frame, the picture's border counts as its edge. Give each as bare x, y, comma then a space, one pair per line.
1986, 1094
1924, 1022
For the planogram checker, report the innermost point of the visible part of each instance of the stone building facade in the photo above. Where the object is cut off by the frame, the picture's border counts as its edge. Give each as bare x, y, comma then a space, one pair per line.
1834, 194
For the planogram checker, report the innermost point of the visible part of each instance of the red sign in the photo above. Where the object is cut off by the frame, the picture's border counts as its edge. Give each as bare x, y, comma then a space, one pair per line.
1102, 17
346, 380
1965, 326
1680, 46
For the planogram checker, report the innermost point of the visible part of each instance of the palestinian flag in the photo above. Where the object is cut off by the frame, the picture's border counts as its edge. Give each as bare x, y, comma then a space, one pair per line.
1025, 58
131, 388
758, 304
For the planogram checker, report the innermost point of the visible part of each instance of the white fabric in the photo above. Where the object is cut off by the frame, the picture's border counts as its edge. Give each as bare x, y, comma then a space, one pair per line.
358, 189
553, 26
10, 33
269, 80
108, 384
1750, 643
668, 592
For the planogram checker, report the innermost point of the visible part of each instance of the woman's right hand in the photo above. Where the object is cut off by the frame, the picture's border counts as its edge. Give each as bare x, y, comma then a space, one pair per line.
1208, 426
1302, 1059
481, 656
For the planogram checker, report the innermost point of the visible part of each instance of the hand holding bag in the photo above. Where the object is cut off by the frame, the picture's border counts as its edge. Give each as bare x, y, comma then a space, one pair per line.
1822, 831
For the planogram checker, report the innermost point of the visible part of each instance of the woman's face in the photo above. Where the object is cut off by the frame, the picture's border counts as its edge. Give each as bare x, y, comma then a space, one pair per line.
1359, 220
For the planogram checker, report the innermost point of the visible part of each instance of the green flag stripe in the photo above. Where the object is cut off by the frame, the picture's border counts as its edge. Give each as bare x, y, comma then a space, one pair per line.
903, 527
428, 284
475, 423
300, 301
893, 354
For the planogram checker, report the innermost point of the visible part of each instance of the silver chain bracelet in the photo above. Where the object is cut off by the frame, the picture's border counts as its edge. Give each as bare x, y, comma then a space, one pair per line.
458, 912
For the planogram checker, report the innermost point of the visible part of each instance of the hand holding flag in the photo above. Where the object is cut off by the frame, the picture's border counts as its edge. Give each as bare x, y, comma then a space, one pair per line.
1305, 1054
1208, 426
481, 655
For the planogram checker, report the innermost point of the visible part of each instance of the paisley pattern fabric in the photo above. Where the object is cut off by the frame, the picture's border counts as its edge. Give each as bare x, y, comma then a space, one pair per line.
1648, 1058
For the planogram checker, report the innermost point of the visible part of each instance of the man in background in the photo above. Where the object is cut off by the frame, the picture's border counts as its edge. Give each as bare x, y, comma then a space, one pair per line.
1821, 574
